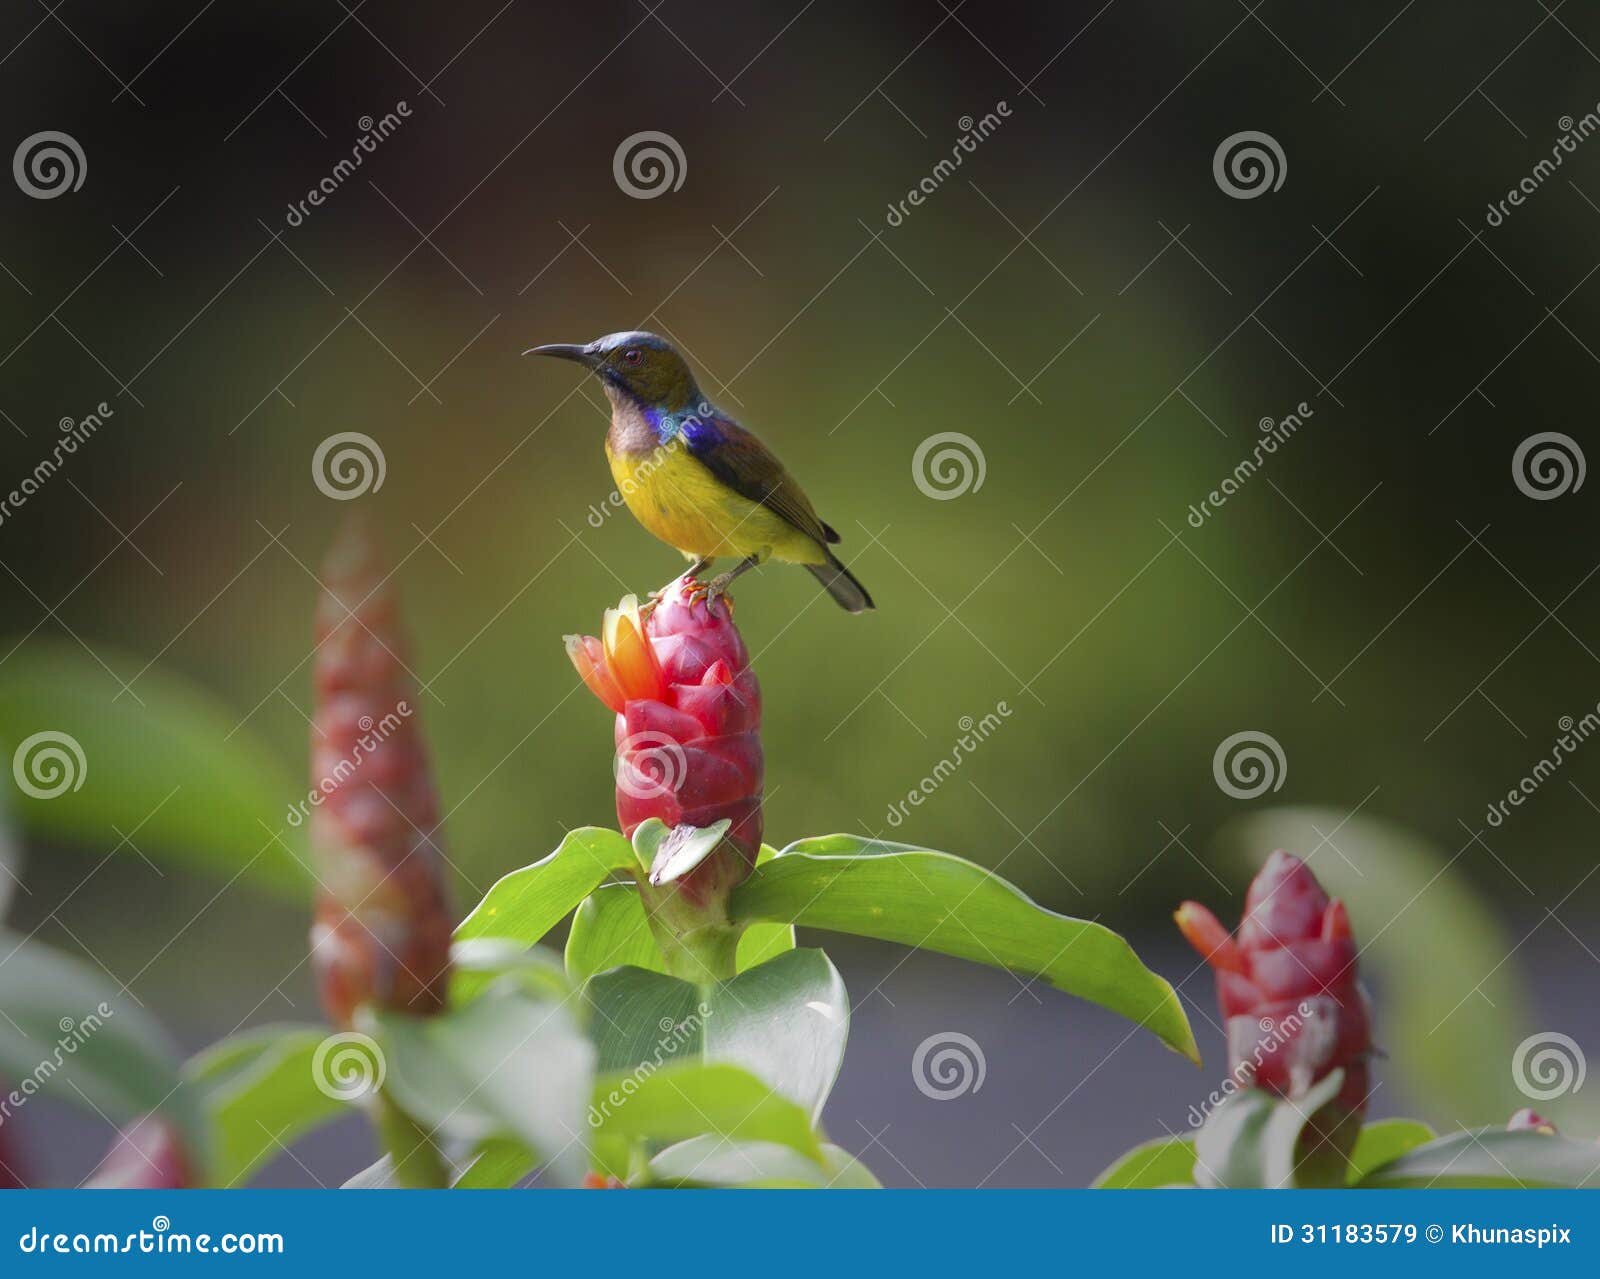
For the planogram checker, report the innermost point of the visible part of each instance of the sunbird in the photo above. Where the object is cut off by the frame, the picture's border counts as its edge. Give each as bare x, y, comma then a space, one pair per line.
697, 479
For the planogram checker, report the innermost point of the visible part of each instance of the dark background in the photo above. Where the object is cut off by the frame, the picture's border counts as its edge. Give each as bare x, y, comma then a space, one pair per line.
1080, 298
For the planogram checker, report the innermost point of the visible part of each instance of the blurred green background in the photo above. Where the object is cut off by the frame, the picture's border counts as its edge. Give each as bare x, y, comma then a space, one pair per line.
1080, 298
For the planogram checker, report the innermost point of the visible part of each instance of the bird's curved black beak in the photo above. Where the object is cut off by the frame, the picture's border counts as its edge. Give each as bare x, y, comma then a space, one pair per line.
565, 351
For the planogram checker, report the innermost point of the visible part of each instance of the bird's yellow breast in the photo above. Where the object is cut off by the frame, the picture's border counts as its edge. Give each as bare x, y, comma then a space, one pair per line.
679, 500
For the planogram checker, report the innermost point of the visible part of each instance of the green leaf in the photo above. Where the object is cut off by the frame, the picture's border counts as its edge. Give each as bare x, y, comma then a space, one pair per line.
1252, 1139
177, 774
481, 963
528, 903
938, 902
1454, 997
1163, 1161
505, 1065
498, 1165
609, 931
1492, 1157
69, 1034
786, 1022
713, 1161
260, 1094
1383, 1141
686, 1099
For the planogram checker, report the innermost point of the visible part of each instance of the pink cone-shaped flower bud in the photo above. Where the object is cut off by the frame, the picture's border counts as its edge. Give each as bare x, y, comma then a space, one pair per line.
146, 1155
688, 714
1287, 984
383, 920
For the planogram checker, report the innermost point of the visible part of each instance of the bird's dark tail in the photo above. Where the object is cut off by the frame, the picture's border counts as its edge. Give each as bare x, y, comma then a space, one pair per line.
840, 583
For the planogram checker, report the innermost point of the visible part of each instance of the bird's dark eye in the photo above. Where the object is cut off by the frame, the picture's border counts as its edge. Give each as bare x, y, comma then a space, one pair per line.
633, 357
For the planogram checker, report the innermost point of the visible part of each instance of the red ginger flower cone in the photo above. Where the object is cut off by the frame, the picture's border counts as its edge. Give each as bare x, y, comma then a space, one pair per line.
688, 714
383, 921
1287, 985
146, 1155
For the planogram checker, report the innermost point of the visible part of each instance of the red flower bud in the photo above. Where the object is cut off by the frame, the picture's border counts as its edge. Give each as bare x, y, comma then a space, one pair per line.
594, 1181
146, 1155
383, 920
688, 713
1287, 984
1531, 1119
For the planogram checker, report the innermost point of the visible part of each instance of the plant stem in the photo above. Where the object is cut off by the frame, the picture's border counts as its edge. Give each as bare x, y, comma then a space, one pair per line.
418, 1164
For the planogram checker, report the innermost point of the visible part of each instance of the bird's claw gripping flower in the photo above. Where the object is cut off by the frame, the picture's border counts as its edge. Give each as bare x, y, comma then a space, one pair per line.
1287, 983
688, 752
381, 933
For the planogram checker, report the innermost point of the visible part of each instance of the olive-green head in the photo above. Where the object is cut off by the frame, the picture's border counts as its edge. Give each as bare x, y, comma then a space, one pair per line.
642, 366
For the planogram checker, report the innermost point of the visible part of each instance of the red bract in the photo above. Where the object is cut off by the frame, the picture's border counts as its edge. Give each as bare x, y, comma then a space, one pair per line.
383, 921
688, 713
146, 1155
1287, 984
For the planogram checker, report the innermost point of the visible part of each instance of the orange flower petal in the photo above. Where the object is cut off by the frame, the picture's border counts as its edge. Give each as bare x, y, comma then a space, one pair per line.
629, 656
1206, 934
588, 658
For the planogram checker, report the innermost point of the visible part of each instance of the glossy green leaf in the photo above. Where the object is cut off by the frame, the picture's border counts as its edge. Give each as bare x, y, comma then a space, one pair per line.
506, 1065
785, 1021
712, 1161
497, 1165
481, 963
1252, 1139
526, 904
609, 931
178, 774
686, 1099
1163, 1161
1384, 1141
1455, 1000
1492, 1157
70, 1034
938, 902
260, 1095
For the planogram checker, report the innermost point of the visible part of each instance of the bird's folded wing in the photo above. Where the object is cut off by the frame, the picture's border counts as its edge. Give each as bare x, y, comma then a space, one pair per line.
745, 465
